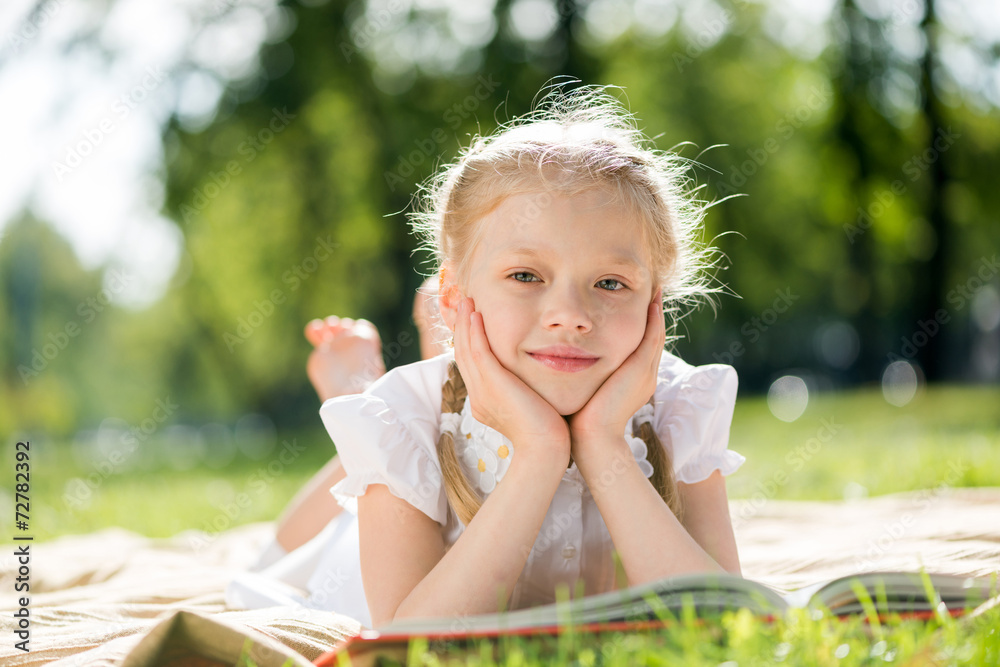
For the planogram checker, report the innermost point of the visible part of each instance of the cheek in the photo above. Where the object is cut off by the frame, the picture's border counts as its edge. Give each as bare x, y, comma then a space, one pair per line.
627, 329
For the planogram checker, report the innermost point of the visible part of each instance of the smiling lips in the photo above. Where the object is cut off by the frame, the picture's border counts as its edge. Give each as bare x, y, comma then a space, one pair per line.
564, 358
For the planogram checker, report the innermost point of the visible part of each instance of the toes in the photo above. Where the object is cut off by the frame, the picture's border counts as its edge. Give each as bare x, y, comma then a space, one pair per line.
366, 329
333, 328
314, 331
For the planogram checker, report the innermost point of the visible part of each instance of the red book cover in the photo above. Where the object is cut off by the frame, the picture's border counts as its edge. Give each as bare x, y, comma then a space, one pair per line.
364, 648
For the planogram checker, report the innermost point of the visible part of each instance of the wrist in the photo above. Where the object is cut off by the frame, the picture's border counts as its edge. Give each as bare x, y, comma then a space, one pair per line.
550, 453
585, 443
601, 453
591, 435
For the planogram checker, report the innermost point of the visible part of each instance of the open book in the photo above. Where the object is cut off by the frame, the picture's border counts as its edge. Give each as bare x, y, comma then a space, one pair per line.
905, 593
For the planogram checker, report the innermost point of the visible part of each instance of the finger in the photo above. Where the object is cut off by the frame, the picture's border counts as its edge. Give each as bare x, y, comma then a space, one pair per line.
650, 337
486, 360
478, 343
644, 362
662, 329
486, 369
481, 354
656, 333
659, 338
463, 352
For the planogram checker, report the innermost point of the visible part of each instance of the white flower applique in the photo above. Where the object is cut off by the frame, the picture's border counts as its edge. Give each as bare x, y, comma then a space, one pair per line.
638, 447
485, 452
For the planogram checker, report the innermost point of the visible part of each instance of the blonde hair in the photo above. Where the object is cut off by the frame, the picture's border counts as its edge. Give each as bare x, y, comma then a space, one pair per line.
570, 143
573, 142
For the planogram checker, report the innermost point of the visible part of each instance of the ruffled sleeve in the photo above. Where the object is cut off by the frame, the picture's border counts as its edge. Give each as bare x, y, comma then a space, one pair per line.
388, 435
692, 415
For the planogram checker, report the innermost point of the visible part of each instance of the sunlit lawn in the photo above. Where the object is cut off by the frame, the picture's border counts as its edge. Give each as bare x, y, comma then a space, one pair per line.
944, 435
843, 444
847, 444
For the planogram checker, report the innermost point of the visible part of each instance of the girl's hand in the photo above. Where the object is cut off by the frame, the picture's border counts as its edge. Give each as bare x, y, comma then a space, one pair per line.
500, 399
606, 414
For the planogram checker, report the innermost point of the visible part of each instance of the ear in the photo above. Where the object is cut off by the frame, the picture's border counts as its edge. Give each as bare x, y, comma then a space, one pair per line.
449, 296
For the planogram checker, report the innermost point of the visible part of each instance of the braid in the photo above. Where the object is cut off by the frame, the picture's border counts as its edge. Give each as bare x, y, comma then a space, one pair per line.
461, 496
663, 468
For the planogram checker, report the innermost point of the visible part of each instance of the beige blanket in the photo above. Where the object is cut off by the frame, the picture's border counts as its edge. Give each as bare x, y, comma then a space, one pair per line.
96, 599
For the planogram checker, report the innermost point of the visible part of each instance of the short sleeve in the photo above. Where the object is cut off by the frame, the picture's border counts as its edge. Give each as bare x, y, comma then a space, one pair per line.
693, 412
388, 435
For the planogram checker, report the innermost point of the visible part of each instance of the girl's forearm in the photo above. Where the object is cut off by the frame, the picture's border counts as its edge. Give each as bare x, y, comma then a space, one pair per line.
649, 538
488, 557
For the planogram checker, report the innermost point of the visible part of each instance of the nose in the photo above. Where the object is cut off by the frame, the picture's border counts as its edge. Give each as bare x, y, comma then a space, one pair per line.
568, 308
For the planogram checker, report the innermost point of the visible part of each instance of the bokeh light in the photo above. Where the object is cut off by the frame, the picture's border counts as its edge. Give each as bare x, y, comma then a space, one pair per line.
986, 308
788, 397
837, 344
899, 383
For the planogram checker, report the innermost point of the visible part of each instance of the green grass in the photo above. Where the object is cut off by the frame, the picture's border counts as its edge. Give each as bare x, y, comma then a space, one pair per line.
145, 494
946, 435
740, 639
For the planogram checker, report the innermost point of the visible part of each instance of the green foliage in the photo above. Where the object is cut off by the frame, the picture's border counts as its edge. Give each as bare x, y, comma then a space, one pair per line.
355, 153
291, 204
57, 325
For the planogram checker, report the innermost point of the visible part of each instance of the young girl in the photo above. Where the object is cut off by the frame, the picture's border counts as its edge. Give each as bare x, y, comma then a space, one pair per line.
557, 434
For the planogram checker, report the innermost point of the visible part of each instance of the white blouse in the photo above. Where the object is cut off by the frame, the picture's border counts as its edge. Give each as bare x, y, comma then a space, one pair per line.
388, 435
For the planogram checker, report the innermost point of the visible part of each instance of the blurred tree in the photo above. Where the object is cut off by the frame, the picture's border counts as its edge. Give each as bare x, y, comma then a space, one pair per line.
291, 198
817, 154
56, 318
932, 282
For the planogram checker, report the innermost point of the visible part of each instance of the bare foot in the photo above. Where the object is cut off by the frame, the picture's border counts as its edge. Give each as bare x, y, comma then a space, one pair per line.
347, 356
427, 316
348, 353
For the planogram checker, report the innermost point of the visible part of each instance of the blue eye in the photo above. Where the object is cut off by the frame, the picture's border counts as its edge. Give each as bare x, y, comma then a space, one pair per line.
524, 277
610, 284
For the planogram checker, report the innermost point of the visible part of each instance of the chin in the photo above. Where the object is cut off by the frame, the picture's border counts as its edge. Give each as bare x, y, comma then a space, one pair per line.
569, 394
567, 403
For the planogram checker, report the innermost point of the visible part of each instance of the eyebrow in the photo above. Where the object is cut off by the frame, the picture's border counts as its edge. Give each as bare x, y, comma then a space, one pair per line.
615, 259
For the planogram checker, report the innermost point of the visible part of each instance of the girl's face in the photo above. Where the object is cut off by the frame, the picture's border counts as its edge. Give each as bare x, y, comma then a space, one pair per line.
563, 283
